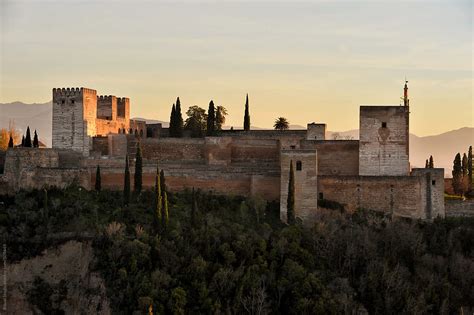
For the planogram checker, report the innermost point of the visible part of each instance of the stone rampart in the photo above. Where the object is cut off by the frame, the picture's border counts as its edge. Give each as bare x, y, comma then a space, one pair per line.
459, 208
335, 157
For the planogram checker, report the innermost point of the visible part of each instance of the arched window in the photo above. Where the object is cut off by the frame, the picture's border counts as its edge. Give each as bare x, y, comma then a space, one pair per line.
299, 165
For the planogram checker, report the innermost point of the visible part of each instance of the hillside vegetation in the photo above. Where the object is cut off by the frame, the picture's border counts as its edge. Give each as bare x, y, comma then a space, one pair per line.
232, 255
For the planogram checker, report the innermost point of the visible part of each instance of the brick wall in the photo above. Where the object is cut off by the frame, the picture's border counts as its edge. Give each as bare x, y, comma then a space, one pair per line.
335, 157
459, 208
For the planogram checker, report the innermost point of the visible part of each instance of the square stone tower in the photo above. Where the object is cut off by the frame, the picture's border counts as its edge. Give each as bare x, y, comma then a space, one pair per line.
74, 118
384, 141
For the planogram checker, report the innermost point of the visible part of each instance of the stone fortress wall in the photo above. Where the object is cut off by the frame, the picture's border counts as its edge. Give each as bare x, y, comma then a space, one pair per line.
372, 173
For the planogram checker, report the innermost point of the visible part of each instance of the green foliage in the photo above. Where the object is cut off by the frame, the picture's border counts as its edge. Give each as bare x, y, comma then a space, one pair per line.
126, 183
431, 162
211, 120
232, 262
290, 203
178, 120
98, 180
138, 171
196, 121
47, 298
247, 115
221, 112
172, 127
330, 204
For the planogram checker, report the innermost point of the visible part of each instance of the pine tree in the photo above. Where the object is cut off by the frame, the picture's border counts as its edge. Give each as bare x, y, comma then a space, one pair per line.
10, 142
211, 119
431, 163
179, 123
469, 168
290, 204
28, 138
172, 127
247, 115
98, 180
35, 140
457, 175
166, 217
163, 182
427, 165
22, 141
126, 184
137, 188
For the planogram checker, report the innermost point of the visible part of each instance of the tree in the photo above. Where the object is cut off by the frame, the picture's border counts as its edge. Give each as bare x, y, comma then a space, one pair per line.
465, 173
98, 180
290, 203
137, 188
158, 202
126, 184
193, 209
10, 142
28, 138
431, 162
469, 168
172, 127
178, 119
281, 123
247, 115
457, 175
22, 141
6, 134
427, 164
166, 216
163, 182
196, 121
35, 141
211, 119
220, 117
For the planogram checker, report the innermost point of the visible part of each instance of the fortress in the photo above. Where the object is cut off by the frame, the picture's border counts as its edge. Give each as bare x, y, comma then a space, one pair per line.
371, 173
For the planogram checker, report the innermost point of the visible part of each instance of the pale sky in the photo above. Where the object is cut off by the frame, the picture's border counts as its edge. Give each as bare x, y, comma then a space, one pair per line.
306, 61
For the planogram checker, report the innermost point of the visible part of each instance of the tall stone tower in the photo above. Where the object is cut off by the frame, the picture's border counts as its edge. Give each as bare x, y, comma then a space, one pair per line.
384, 139
74, 118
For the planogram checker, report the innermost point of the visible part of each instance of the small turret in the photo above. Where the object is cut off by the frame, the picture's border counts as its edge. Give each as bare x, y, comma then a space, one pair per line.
406, 101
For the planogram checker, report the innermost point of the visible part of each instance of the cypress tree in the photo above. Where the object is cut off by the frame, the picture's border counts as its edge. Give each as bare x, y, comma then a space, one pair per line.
431, 163
178, 119
35, 140
165, 210
126, 184
163, 183
247, 115
465, 173
172, 127
10, 142
22, 141
158, 202
138, 171
290, 204
28, 138
211, 119
98, 180
469, 168
427, 165
457, 174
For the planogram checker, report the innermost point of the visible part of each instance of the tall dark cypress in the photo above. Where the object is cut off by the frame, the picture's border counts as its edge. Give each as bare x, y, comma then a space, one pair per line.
98, 180
126, 184
427, 164
10, 142
431, 162
172, 127
457, 174
137, 188
290, 203
178, 119
211, 119
469, 168
163, 183
247, 115
35, 140
22, 141
28, 138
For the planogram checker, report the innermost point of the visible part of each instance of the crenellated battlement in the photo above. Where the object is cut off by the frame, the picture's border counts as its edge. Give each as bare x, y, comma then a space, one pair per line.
75, 91
105, 97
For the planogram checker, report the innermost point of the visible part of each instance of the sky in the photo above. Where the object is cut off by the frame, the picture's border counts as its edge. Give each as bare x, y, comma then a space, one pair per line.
310, 61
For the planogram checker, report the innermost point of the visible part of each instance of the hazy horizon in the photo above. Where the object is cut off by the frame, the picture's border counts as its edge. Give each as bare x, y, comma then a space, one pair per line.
307, 61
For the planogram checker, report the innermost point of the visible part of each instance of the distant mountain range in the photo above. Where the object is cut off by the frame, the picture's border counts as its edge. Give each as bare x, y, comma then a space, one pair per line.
443, 147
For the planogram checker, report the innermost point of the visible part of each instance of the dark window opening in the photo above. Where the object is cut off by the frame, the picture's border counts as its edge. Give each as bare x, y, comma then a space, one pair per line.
293, 147
433, 182
72, 101
131, 131
299, 165
321, 196
63, 101
384, 124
